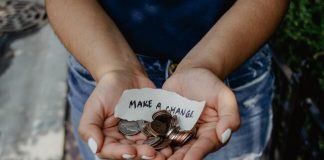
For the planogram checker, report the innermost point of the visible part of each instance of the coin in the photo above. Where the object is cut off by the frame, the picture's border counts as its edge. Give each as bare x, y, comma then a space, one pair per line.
161, 132
153, 141
128, 128
194, 131
145, 130
165, 143
172, 132
162, 115
173, 122
158, 128
142, 123
182, 137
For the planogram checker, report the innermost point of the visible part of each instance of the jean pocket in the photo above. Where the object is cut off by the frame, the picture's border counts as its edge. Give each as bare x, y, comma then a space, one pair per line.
80, 73
253, 68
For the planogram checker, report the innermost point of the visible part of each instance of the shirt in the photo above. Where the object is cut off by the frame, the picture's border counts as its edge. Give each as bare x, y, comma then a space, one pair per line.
165, 28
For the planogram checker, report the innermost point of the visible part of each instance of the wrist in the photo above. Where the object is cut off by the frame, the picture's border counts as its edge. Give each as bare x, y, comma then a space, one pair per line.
208, 64
135, 69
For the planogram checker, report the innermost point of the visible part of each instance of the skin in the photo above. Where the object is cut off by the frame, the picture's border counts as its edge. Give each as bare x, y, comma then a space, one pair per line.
87, 31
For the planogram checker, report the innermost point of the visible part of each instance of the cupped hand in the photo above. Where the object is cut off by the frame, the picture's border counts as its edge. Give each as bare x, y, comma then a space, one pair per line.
219, 118
98, 126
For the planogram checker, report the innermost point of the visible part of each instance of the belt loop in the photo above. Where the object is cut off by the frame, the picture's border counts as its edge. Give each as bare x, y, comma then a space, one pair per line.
171, 67
226, 81
167, 73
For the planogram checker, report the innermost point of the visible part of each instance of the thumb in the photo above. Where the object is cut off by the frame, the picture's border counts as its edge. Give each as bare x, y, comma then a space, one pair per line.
229, 118
91, 124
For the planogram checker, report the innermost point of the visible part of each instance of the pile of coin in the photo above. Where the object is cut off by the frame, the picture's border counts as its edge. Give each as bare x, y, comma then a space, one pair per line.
163, 131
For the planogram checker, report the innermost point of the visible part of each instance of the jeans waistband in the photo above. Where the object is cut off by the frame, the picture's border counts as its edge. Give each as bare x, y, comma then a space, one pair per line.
160, 69
254, 67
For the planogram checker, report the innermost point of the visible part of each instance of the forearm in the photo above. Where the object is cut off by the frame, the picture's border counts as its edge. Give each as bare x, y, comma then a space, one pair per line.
236, 36
91, 36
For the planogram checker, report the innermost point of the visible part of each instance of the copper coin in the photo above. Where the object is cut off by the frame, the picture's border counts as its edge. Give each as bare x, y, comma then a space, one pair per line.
163, 116
182, 137
172, 132
173, 122
159, 128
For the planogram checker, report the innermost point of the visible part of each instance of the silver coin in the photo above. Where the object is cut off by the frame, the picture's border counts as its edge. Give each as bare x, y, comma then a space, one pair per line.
153, 141
142, 124
145, 130
165, 143
128, 128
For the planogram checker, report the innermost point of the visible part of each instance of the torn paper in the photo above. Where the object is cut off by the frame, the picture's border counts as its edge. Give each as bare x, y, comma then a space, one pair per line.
140, 104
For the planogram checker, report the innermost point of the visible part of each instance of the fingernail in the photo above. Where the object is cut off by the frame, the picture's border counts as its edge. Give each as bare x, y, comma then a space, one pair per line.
226, 135
128, 156
93, 145
147, 157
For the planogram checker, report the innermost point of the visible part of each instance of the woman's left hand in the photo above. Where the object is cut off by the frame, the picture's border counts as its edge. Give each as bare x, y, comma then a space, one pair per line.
219, 118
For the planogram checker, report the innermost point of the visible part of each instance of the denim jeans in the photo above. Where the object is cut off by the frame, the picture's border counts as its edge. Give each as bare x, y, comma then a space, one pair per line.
252, 84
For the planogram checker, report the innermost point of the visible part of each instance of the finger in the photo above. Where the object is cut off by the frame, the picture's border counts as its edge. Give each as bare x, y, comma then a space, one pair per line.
113, 149
228, 115
202, 146
159, 156
111, 121
91, 124
180, 153
166, 152
113, 132
140, 141
145, 152
137, 137
126, 141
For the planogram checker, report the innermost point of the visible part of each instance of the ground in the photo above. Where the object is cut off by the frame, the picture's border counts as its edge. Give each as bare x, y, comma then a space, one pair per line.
33, 110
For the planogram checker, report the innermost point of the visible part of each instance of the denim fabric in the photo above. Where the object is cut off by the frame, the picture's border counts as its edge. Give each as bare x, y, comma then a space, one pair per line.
252, 84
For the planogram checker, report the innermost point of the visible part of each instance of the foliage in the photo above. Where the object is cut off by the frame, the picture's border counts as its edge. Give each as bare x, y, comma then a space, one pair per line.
301, 35
302, 30
299, 38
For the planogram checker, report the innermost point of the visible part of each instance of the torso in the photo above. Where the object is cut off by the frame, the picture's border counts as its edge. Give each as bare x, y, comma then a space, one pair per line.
165, 28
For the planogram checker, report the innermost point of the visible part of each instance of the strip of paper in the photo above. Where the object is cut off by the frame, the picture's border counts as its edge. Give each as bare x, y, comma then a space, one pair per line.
140, 104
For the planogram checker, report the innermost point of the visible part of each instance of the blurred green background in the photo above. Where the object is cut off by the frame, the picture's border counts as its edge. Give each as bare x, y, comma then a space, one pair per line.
300, 38
301, 35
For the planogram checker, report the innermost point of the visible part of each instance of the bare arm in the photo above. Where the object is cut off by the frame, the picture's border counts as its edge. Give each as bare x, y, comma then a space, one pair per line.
236, 36
91, 36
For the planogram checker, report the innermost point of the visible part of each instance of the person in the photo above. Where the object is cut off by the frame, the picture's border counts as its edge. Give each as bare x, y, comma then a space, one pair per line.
221, 54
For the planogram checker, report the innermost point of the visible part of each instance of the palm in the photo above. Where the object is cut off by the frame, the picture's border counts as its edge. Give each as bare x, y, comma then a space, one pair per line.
98, 117
219, 113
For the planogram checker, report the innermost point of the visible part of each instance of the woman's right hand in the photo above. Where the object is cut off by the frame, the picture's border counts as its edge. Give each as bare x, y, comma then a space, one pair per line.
98, 126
